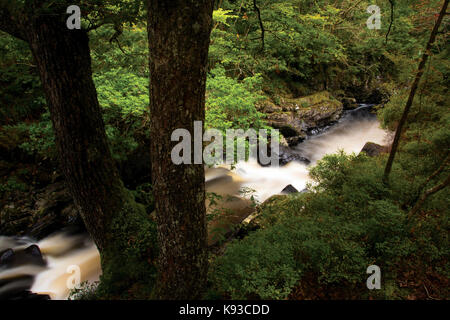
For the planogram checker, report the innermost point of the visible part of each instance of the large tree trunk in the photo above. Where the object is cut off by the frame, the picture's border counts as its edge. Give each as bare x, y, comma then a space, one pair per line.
64, 63
115, 222
179, 32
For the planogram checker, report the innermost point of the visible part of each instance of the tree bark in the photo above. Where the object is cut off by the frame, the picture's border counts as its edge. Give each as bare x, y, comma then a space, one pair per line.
412, 93
179, 33
109, 212
64, 63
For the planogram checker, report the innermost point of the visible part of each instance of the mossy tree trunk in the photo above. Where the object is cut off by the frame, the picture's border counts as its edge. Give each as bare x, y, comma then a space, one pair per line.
114, 221
179, 33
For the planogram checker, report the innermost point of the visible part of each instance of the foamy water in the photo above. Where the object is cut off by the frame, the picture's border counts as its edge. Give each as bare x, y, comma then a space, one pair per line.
63, 250
350, 134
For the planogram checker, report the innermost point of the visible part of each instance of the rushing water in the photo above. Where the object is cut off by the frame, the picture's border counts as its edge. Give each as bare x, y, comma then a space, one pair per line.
64, 250
352, 131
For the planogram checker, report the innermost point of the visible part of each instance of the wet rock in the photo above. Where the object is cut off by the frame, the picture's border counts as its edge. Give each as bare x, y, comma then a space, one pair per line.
349, 103
372, 149
299, 116
268, 107
30, 256
136, 169
40, 213
288, 155
289, 189
17, 287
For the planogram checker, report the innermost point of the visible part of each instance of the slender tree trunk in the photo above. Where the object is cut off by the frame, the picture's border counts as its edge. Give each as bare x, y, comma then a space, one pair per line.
109, 212
179, 33
412, 93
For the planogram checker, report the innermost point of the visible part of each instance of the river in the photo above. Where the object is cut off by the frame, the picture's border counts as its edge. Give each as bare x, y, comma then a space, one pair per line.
64, 252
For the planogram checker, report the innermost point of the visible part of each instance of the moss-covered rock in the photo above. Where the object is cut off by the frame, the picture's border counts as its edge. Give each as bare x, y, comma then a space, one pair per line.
295, 117
373, 149
129, 262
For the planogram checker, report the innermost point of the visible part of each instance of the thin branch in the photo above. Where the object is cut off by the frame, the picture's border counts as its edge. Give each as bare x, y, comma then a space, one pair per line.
435, 173
428, 193
392, 20
261, 25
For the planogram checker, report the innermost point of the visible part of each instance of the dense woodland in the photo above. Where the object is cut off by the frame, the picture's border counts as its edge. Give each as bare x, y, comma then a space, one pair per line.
81, 148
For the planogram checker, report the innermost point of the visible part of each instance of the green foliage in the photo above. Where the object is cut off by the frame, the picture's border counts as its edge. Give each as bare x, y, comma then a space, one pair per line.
330, 236
122, 92
12, 184
21, 95
259, 265
41, 138
86, 291
231, 103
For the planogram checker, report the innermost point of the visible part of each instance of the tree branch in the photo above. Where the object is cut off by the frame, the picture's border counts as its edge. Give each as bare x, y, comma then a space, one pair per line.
428, 193
435, 173
260, 24
392, 20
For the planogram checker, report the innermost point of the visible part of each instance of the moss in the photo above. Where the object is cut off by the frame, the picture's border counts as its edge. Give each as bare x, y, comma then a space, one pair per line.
311, 99
129, 262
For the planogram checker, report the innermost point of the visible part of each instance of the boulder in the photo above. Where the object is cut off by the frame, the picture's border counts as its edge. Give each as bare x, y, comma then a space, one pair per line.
349, 103
297, 117
289, 125
17, 287
40, 213
372, 149
289, 189
288, 155
54, 209
14, 258
268, 107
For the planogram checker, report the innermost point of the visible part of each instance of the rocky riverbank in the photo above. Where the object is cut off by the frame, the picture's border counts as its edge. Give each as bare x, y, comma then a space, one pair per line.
298, 117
